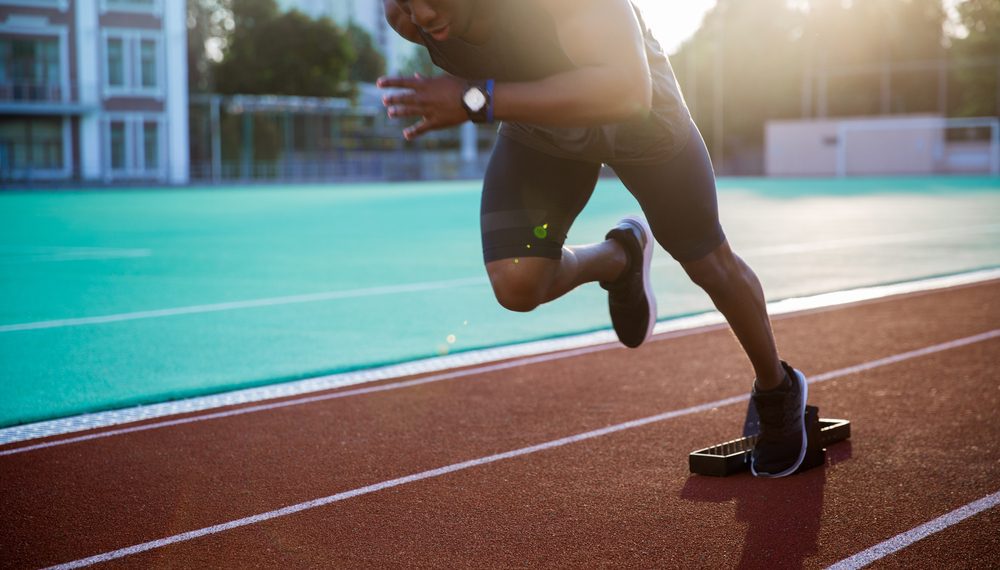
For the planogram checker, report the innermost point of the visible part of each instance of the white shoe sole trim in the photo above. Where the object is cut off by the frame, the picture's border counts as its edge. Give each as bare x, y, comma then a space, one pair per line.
647, 261
804, 390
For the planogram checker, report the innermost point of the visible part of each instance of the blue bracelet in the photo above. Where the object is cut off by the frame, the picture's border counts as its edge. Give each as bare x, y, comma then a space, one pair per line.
489, 103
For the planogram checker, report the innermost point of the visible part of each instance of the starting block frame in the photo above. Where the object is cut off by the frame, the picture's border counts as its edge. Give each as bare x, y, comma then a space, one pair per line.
731, 457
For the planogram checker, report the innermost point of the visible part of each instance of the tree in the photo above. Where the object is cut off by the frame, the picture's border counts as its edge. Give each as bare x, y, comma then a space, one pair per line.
284, 54
980, 84
742, 67
754, 61
208, 21
420, 63
269, 52
369, 64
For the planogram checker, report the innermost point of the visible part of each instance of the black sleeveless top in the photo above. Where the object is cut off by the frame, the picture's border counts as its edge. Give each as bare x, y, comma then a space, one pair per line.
525, 46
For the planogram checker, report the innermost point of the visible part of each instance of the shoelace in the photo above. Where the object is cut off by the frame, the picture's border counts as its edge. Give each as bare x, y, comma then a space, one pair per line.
777, 414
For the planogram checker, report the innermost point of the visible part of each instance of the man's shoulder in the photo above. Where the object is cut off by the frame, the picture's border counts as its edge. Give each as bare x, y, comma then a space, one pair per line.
563, 8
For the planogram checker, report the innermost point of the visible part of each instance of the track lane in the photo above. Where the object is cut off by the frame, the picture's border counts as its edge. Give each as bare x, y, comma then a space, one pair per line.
196, 477
964, 545
626, 500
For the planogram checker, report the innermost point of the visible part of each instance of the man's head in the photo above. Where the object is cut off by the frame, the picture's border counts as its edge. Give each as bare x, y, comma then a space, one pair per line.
441, 19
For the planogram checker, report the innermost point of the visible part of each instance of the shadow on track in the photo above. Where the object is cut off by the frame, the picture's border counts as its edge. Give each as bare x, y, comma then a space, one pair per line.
783, 516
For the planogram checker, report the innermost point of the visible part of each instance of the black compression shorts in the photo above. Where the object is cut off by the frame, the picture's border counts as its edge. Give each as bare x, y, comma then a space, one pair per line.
530, 200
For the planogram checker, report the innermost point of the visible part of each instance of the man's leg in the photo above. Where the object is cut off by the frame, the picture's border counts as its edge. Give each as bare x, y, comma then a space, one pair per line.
522, 284
737, 294
529, 202
679, 198
621, 263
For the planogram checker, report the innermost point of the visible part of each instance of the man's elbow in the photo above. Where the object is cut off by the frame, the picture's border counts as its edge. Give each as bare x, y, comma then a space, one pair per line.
641, 103
637, 101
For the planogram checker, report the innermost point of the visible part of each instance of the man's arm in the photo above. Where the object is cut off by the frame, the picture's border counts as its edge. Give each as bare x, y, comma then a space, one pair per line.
400, 21
611, 83
612, 80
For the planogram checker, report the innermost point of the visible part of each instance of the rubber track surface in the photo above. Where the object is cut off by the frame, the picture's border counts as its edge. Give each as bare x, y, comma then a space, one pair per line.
925, 441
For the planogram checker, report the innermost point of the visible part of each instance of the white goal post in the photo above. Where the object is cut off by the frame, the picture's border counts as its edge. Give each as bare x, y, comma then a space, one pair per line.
918, 145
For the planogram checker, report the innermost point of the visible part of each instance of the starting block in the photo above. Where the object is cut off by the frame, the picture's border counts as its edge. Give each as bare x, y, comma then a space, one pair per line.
731, 457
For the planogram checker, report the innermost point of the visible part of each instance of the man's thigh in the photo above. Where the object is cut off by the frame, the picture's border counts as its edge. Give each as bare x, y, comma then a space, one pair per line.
678, 197
530, 199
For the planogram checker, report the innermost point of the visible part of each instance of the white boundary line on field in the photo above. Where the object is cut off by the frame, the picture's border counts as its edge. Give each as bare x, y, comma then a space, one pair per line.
432, 473
529, 353
248, 304
904, 539
446, 284
41, 253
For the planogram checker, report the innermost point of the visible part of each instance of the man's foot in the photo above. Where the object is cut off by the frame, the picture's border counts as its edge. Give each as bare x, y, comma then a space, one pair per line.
782, 443
630, 297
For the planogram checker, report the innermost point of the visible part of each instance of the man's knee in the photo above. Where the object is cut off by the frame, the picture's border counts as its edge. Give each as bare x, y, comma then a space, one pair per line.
716, 271
519, 289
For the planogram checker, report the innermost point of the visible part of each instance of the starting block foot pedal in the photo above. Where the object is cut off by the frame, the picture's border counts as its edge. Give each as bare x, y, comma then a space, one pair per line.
733, 456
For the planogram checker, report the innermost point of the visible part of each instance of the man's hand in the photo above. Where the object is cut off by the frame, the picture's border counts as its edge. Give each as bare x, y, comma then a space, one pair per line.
437, 100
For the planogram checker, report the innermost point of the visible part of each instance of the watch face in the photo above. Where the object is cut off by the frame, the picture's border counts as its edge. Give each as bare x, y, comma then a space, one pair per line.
474, 99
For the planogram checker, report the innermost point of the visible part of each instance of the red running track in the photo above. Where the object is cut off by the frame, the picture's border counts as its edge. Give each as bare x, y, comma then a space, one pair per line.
925, 442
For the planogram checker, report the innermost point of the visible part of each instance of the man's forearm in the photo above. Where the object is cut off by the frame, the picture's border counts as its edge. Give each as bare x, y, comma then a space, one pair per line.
587, 96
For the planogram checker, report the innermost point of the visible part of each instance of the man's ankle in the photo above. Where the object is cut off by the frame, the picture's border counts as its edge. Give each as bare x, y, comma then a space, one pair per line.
620, 257
774, 382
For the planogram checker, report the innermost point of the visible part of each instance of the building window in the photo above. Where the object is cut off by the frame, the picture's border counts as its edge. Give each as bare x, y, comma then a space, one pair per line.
31, 147
147, 63
118, 153
134, 146
116, 62
133, 62
30, 69
151, 145
60, 4
130, 6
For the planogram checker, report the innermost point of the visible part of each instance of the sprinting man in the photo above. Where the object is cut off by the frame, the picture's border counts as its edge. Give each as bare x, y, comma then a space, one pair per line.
577, 84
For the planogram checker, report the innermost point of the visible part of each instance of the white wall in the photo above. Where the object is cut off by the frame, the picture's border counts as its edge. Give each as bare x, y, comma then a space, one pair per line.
88, 82
175, 33
904, 145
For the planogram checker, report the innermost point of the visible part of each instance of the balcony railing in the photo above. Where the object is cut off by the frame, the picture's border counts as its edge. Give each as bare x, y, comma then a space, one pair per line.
33, 92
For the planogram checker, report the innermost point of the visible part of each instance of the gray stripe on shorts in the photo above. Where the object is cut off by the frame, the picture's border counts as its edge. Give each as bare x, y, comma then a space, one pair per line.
511, 219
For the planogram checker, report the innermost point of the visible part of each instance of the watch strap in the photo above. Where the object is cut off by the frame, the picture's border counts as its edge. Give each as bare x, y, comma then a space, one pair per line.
485, 114
489, 100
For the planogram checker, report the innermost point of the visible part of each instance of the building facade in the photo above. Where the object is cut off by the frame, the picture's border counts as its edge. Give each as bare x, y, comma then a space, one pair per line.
93, 91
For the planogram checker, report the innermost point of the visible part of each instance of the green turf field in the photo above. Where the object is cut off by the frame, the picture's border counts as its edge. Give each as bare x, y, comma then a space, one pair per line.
116, 298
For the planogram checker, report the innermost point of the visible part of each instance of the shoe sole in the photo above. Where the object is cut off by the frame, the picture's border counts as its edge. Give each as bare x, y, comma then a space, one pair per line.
804, 390
647, 260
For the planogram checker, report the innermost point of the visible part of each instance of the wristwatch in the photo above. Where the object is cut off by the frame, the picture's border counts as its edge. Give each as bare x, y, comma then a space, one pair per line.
478, 101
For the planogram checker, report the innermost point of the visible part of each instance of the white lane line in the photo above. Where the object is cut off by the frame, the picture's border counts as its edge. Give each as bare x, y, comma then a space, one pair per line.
183, 537
459, 374
215, 529
333, 295
251, 303
907, 355
909, 237
32, 254
604, 340
904, 539
313, 399
825, 245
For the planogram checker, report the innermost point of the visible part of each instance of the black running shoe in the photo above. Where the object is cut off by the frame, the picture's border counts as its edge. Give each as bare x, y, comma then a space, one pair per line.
630, 297
782, 443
